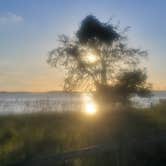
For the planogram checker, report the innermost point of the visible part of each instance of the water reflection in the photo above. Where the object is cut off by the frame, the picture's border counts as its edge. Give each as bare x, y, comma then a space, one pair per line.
89, 105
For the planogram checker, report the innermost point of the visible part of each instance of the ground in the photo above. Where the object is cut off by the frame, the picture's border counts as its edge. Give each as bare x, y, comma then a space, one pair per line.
23, 137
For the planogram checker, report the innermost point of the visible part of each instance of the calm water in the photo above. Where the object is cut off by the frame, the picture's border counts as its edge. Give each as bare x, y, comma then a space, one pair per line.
59, 101
35, 102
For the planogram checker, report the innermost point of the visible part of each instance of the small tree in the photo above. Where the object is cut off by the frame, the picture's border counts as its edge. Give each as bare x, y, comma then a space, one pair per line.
95, 55
128, 84
132, 83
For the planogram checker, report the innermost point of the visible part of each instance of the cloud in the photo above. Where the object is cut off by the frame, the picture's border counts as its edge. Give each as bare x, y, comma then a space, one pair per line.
10, 18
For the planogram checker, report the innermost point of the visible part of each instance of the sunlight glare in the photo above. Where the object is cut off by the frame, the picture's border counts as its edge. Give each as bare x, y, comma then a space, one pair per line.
89, 105
91, 58
90, 108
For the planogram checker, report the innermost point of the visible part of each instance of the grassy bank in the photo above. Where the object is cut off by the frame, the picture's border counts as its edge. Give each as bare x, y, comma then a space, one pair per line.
27, 136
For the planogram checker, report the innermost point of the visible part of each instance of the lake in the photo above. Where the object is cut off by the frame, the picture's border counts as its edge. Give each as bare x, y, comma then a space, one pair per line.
11, 103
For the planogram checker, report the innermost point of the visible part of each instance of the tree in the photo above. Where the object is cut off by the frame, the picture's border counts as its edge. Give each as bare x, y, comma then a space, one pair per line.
128, 84
132, 83
96, 54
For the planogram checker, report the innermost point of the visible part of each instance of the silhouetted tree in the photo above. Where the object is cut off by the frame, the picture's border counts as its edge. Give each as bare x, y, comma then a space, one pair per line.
92, 29
132, 83
96, 54
128, 84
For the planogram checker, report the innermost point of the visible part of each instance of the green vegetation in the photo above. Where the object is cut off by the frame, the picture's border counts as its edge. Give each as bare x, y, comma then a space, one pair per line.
23, 137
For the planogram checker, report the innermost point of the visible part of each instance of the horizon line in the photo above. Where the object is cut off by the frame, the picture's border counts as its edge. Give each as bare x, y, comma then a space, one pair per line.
60, 91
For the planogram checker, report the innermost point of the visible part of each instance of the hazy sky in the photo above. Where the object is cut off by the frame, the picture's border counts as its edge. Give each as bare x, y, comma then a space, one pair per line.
29, 29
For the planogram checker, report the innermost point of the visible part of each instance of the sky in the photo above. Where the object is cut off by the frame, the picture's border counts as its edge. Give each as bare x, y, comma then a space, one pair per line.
29, 30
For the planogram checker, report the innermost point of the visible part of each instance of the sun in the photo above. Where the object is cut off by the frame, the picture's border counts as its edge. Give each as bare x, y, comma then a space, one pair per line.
91, 58
89, 104
90, 108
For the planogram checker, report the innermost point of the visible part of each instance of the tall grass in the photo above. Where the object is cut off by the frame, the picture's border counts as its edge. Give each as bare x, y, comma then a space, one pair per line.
40, 134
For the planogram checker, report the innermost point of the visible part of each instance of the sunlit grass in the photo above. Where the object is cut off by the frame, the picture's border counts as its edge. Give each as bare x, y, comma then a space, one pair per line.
23, 136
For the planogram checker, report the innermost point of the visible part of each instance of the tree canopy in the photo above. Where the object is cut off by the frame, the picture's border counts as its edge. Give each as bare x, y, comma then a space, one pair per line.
128, 84
92, 29
95, 55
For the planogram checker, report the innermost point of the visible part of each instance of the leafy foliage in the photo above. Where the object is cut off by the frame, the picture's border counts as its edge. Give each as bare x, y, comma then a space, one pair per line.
128, 84
109, 47
133, 82
92, 29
